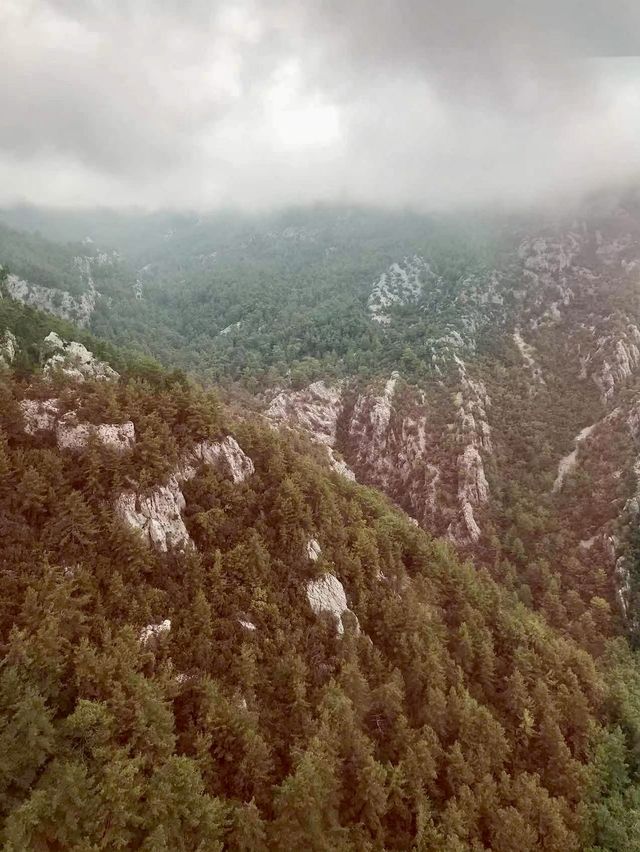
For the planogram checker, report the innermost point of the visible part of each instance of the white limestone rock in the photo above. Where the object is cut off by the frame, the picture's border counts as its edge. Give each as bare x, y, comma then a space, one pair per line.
340, 466
472, 529
527, 352
228, 456
615, 357
315, 409
153, 632
622, 575
370, 422
39, 414
158, 515
44, 415
446, 348
8, 348
401, 284
57, 302
75, 360
326, 594
472, 402
313, 550
118, 436
474, 435
247, 625
71, 435
473, 487
567, 464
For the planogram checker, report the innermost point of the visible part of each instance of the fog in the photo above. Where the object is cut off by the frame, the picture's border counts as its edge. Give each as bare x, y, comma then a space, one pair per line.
433, 105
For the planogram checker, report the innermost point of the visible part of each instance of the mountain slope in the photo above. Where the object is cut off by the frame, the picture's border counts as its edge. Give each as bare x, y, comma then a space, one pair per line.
209, 638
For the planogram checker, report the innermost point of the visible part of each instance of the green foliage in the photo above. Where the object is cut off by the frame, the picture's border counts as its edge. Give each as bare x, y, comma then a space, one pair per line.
455, 717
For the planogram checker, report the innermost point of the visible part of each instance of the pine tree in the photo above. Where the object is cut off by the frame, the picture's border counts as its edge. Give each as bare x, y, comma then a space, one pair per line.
73, 529
248, 832
306, 805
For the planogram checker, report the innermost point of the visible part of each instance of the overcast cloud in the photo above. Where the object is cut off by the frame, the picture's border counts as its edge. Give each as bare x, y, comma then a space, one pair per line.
431, 103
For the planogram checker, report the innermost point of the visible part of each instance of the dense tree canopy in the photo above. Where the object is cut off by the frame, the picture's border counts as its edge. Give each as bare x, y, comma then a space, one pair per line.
453, 717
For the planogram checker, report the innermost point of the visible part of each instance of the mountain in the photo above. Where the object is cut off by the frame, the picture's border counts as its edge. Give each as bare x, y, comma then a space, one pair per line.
220, 632
456, 363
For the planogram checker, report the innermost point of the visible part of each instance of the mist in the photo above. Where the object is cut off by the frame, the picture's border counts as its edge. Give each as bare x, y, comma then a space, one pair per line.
435, 106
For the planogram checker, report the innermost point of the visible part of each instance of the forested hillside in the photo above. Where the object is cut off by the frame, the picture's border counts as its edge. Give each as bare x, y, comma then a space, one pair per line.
481, 370
223, 638
210, 640
241, 298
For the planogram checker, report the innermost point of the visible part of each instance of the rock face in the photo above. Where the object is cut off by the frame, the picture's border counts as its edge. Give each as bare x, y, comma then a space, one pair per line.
57, 302
617, 357
370, 420
474, 440
326, 594
75, 360
316, 411
71, 435
44, 415
401, 284
473, 491
527, 353
340, 466
567, 464
313, 550
227, 456
158, 515
8, 348
39, 414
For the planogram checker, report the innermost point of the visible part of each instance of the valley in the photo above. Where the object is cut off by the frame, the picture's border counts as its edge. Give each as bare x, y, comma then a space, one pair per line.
338, 497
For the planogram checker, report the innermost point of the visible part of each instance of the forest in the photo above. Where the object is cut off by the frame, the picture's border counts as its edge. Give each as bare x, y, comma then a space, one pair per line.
447, 715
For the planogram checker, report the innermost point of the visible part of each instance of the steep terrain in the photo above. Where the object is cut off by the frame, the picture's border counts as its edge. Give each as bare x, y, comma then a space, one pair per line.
471, 368
209, 639
288, 620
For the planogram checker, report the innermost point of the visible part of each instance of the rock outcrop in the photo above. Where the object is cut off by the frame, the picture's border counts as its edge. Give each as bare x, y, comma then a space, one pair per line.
227, 456
153, 632
567, 464
158, 515
313, 550
401, 284
71, 434
326, 594
616, 359
40, 414
527, 352
474, 436
315, 410
369, 422
57, 302
75, 360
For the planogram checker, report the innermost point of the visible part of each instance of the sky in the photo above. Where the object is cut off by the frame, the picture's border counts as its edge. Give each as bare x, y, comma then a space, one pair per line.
432, 104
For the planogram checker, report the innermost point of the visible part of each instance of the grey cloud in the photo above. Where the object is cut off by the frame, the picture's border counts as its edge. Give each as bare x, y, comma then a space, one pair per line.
258, 102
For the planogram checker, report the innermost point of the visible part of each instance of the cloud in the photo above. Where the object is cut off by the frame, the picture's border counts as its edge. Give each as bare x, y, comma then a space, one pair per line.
271, 102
